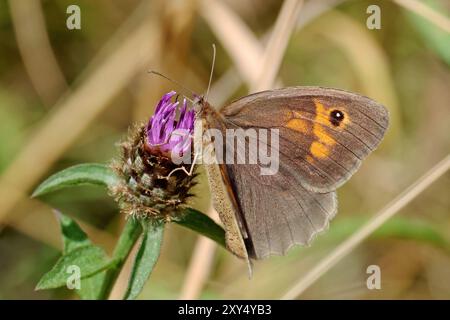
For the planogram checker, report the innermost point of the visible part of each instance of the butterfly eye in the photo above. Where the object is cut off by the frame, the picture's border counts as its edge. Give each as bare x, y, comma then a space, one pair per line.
336, 117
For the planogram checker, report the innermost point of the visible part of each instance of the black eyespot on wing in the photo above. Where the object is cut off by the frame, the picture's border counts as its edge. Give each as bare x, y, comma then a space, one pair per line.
336, 117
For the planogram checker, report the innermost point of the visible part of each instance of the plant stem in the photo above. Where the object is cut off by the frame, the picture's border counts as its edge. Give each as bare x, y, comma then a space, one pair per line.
146, 257
128, 238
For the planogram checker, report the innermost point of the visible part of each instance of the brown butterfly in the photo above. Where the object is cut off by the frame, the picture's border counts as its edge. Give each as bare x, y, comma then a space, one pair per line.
324, 134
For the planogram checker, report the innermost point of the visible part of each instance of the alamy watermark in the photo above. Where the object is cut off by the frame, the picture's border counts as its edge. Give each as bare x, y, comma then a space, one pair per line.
74, 279
73, 21
374, 20
234, 146
374, 280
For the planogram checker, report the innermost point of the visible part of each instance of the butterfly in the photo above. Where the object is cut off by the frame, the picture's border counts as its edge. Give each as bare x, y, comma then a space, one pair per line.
323, 136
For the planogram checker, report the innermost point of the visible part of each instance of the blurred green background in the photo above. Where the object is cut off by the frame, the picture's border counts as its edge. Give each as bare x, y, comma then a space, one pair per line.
67, 96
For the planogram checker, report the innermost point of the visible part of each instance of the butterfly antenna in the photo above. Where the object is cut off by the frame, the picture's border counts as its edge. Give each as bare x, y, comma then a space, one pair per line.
173, 81
212, 71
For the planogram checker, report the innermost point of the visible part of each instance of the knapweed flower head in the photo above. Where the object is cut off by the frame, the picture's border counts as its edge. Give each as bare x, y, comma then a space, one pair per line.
149, 185
165, 133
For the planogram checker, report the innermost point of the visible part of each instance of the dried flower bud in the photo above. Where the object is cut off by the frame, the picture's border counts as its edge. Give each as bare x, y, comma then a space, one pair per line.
145, 189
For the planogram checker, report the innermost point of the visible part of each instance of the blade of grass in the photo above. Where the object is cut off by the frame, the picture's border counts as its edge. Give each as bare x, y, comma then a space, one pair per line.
200, 265
230, 81
436, 38
276, 47
235, 36
428, 13
36, 50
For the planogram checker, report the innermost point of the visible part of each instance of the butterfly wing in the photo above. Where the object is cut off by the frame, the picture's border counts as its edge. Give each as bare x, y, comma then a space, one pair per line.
278, 212
324, 134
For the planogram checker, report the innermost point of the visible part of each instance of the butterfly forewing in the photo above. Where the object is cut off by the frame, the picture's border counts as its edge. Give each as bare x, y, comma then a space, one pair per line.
315, 145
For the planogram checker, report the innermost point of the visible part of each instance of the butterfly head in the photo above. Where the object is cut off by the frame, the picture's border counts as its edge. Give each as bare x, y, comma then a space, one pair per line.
200, 105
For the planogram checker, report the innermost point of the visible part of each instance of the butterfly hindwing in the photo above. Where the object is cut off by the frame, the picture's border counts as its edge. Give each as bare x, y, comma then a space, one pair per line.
278, 211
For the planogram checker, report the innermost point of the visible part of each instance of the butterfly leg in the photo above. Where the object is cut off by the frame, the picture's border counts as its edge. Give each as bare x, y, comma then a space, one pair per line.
189, 173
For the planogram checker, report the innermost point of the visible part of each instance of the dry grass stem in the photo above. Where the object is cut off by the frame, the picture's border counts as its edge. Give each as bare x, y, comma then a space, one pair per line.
276, 47
200, 266
201, 262
426, 12
230, 81
359, 236
237, 39
313, 9
36, 51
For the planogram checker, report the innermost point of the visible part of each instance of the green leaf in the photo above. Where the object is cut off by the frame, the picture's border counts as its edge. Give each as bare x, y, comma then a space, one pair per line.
201, 223
73, 236
93, 288
89, 260
145, 259
83, 174
436, 38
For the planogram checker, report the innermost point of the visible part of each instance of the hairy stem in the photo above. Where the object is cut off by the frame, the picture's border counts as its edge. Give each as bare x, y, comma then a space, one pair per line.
128, 238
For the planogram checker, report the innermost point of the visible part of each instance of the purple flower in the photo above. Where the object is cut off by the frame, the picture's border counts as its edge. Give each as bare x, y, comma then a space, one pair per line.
167, 134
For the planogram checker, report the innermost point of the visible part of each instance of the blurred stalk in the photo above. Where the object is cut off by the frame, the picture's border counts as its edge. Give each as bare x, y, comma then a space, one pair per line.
201, 262
200, 265
125, 244
359, 236
36, 51
230, 81
276, 47
425, 11
131, 49
176, 20
237, 39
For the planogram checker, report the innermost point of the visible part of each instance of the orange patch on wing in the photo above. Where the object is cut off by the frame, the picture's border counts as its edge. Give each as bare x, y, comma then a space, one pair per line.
319, 150
322, 116
310, 159
323, 136
297, 125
